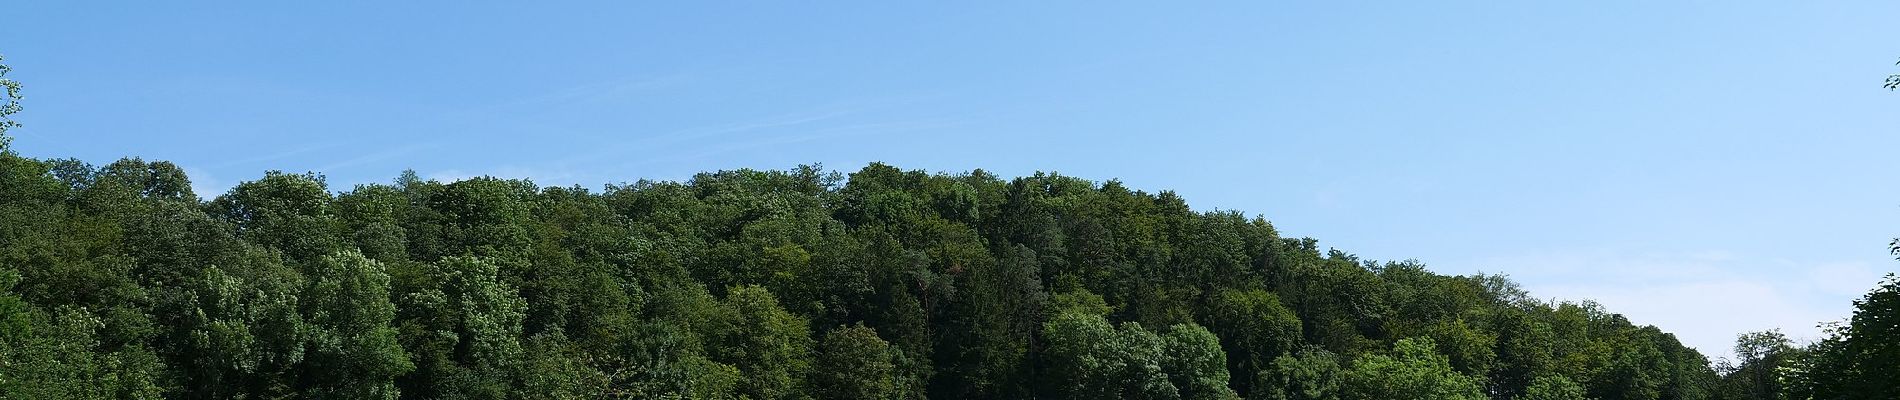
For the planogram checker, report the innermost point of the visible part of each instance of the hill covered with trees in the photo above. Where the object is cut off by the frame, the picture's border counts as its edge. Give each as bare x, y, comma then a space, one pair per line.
757, 284
118, 281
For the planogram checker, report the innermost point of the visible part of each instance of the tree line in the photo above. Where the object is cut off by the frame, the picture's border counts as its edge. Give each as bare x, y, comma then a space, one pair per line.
118, 281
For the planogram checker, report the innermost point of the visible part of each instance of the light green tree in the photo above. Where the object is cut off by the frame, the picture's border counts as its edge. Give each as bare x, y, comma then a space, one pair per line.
1761, 359
1193, 359
353, 349
1553, 387
58, 355
854, 364
770, 347
1310, 374
1414, 370
1089, 359
465, 332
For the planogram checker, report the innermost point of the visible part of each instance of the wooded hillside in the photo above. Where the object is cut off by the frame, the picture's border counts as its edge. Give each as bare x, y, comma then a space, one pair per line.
885, 283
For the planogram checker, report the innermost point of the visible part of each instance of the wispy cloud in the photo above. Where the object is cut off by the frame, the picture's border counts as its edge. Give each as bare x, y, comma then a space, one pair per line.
449, 175
585, 93
708, 134
373, 157
272, 156
1704, 314
204, 184
806, 136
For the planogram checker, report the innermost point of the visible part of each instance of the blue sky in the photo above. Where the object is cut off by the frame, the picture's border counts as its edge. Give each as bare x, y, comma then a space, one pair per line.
1709, 167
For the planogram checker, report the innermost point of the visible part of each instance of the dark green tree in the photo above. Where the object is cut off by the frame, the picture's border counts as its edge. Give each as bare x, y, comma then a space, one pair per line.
1256, 329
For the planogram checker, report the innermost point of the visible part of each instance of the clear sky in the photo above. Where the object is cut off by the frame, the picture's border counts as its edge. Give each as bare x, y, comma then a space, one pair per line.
1709, 167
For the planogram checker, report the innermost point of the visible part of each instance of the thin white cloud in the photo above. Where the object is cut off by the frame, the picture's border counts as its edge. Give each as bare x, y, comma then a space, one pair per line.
272, 156
203, 184
585, 93
804, 136
1705, 315
1851, 279
371, 157
448, 175
706, 134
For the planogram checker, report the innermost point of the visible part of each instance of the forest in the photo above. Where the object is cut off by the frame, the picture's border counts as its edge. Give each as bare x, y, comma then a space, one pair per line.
118, 281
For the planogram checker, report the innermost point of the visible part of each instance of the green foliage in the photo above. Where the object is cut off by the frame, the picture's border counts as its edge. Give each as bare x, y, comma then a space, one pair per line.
1080, 302
241, 335
1257, 330
464, 331
853, 363
1554, 387
1413, 370
60, 354
1762, 359
1195, 363
1089, 358
771, 347
1310, 374
289, 213
352, 346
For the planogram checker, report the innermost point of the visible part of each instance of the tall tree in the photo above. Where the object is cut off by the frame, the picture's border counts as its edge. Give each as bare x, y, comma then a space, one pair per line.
352, 344
9, 103
1195, 363
464, 331
1255, 330
770, 346
854, 364
1761, 358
